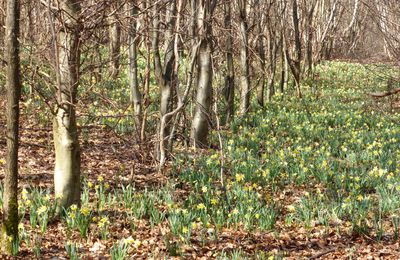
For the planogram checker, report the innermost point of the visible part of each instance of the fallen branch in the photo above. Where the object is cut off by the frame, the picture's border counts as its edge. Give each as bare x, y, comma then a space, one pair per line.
385, 94
319, 255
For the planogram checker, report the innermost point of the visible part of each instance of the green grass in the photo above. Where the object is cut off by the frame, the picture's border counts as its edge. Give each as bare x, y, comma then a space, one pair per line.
337, 155
329, 161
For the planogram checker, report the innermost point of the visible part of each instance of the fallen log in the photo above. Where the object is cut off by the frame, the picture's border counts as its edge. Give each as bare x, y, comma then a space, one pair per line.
385, 94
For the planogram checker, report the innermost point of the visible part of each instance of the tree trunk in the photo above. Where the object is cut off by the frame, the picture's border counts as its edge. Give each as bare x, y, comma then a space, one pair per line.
284, 66
13, 87
295, 63
67, 164
230, 74
204, 83
261, 54
310, 38
115, 42
164, 74
136, 97
244, 59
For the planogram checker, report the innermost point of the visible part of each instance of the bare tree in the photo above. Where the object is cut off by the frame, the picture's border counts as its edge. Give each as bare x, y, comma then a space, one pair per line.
230, 73
164, 72
136, 96
244, 58
67, 164
115, 38
13, 87
201, 116
295, 61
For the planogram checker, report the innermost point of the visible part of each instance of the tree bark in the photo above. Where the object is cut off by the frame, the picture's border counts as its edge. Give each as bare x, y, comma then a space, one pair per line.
164, 73
310, 37
230, 74
244, 59
284, 66
136, 96
115, 42
261, 54
295, 63
67, 163
13, 87
204, 83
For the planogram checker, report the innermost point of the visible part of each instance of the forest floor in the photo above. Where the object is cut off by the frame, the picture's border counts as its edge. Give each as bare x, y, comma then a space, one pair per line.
313, 179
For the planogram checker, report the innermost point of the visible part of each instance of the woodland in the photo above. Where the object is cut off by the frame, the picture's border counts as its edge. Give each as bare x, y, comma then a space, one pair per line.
200, 129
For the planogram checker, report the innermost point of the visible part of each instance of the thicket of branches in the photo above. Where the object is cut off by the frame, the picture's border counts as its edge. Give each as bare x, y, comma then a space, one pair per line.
198, 62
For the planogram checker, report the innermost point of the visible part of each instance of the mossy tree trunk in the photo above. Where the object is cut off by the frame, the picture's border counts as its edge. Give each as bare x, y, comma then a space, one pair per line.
67, 165
13, 87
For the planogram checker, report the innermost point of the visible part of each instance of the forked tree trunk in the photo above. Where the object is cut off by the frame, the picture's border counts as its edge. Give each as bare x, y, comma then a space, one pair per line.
136, 97
204, 82
244, 59
13, 87
295, 63
164, 73
67, 164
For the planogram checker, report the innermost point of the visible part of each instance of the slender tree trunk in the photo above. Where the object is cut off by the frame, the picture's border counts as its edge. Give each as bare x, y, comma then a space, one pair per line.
2, 51
273, 51
310, 38
67, 164
284, 66
295, 63
230, 74
146, 96
244, 59
115, 42
136, 96
261, 53
204, 83
13, 87
273, 47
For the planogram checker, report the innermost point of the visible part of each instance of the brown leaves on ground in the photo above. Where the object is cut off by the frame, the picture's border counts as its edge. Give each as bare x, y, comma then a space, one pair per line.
119, 162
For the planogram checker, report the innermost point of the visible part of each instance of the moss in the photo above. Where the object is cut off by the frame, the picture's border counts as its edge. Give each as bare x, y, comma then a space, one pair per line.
9, 229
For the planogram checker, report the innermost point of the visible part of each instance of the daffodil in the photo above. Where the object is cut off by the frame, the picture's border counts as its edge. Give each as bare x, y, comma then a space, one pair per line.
129, 241
42, 210
85, 211
291, 208
201, 206
72, 215
185, 230
137, 243
239, 177
20, 226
